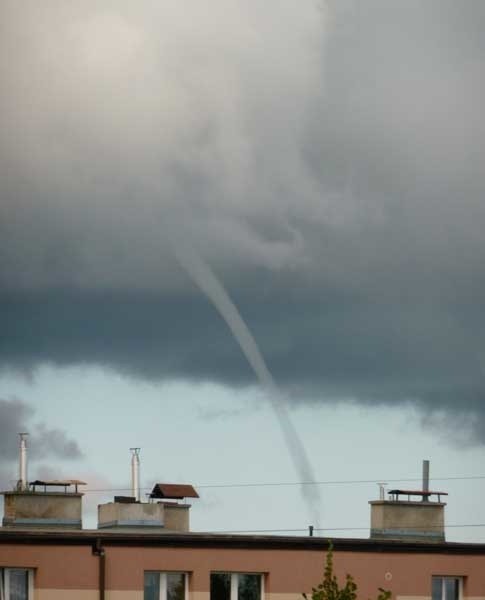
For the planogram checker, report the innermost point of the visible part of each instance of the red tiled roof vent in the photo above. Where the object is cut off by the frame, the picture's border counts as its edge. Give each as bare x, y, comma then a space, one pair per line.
173, 491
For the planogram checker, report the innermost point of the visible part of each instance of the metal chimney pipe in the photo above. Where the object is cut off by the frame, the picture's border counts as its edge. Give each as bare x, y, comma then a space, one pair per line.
22, 484
425, 479
135, 473
382, 492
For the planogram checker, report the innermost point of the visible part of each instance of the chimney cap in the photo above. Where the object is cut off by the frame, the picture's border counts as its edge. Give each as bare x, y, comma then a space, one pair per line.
65, 483
174, 491
422, 493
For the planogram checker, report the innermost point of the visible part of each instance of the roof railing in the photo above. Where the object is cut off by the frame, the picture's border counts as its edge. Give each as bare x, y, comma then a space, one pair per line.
49, 483
423, 494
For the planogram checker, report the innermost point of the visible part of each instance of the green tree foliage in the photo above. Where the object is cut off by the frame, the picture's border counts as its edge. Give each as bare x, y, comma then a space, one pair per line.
329, 588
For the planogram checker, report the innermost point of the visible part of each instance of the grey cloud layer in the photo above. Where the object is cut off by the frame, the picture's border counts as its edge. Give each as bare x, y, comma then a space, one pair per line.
325, 159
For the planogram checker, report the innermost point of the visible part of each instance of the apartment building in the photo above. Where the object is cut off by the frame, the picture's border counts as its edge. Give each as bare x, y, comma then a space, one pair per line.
146, 551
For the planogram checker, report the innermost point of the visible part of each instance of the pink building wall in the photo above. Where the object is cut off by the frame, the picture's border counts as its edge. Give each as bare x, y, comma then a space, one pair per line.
70, 568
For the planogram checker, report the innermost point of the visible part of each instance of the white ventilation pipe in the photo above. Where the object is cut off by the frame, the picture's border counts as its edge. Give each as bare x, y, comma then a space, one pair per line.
135, 473
382, 492
23, 485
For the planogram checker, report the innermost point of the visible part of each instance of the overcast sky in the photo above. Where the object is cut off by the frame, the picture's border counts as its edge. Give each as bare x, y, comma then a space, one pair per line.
324, 159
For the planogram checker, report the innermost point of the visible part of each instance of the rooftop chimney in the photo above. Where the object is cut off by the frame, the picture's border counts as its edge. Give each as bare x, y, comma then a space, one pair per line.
162, 513
56, 504
409, 514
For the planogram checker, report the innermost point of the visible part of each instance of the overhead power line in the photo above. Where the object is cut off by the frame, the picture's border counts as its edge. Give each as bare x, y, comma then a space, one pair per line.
300, 483
335, 482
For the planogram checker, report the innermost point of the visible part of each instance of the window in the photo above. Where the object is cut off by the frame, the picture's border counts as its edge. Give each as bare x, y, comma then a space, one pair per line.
446, 588
236, 586
16, 584
165, 586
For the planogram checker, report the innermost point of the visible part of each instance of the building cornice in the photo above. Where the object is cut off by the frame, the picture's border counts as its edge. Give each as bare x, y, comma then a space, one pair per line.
230, 541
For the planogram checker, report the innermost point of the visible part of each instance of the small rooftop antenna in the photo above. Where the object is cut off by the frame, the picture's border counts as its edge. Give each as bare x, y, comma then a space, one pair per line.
381, 485
22, 482
135, 473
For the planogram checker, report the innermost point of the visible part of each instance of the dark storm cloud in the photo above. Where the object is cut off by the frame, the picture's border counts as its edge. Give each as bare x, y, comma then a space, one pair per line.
13, 415
325, 160
16, 416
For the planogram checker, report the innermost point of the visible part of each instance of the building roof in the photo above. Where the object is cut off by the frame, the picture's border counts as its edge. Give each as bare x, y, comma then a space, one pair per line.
212, 540
175, 491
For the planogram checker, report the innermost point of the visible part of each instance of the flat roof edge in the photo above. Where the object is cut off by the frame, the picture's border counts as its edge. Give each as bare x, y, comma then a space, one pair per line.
198, 540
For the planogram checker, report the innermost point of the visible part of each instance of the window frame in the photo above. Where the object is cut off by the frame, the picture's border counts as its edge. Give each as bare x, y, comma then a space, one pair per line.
443, 579
234, 584
5, 582
162, 595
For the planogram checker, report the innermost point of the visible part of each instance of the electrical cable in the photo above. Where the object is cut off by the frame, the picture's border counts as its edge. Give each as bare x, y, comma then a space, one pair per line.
300, 483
